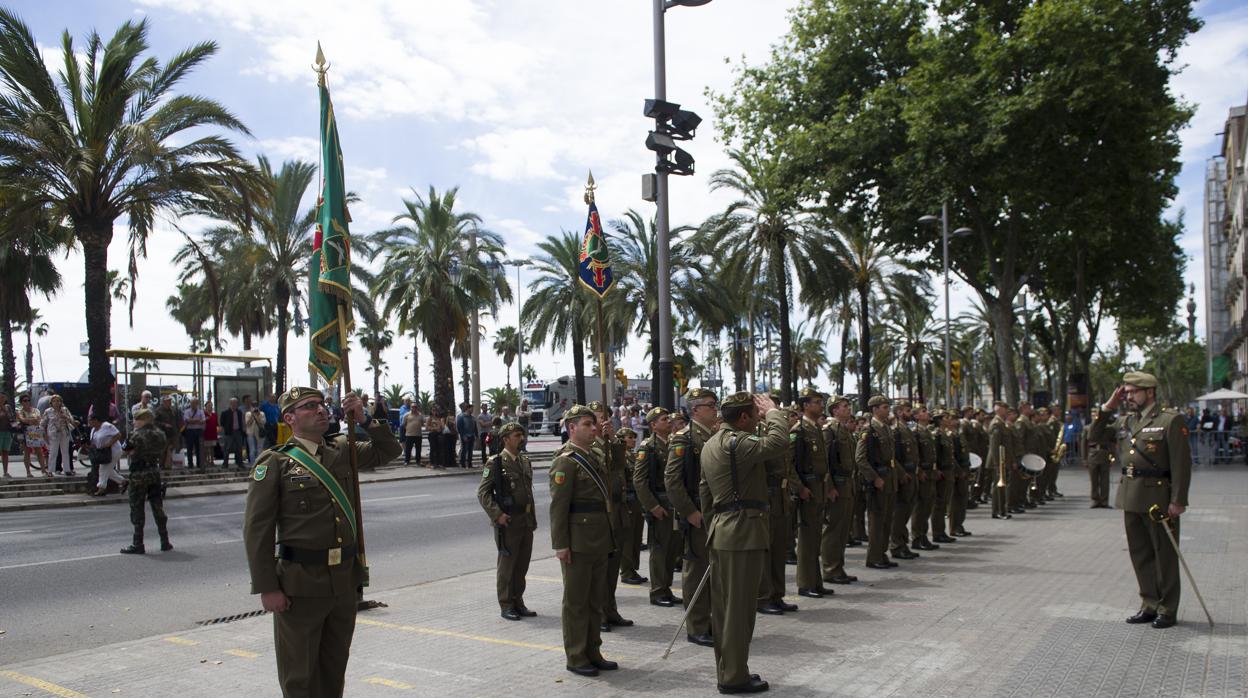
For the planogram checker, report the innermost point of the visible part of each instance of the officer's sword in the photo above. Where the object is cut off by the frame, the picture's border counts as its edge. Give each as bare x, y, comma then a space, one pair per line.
1156, 514
692, 600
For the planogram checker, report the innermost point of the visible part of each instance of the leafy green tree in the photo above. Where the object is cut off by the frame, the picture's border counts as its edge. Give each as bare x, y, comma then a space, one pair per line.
192, 309
395, 394
507, 341
502, 397
34, 324
556, 311
28, 239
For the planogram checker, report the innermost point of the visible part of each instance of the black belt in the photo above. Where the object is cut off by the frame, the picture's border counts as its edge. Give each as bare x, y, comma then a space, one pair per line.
333, 556
739, 505
1133, 472
910, 468
840, 479
774, 480
586, 507
809, 477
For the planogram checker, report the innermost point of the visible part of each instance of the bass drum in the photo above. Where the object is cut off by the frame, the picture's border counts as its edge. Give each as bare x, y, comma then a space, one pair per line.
1034, 464
976, 461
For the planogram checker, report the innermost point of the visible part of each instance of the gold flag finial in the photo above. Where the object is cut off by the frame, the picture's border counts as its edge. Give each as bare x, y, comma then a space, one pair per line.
589, 188
322, 66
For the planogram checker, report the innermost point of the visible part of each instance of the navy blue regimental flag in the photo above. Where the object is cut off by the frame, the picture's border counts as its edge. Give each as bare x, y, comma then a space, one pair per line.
595, 265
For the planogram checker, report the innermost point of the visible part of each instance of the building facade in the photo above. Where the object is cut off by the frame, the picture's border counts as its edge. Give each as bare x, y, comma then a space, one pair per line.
1226, 253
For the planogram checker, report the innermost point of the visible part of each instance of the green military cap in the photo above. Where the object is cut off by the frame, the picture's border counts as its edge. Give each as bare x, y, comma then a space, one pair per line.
738, 400
510, 427
597, 407
1140, 379
700, 394
808, 393
294, 395
655, 413
577, 411
790, 412
143, 413
1023, 402
999, 403
1042, 410
625, 431
902, 403
877, 400
834, 400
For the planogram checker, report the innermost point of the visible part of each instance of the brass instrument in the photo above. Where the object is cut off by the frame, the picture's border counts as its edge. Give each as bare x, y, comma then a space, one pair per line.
1001, 468
1059, 448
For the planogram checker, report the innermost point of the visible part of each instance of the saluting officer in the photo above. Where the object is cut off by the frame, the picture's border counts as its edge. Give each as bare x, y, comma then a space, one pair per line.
838, 512
506, 494
666, 543
681, 476
734, 490
300, 498
810, 461
1156, 471
874, 457
580, 532
630, 539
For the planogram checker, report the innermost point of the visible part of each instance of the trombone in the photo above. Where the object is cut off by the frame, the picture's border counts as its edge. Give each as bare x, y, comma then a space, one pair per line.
1001, 467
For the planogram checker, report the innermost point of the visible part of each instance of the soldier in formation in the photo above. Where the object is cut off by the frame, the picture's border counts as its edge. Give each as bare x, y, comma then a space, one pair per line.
506, 494
681, 476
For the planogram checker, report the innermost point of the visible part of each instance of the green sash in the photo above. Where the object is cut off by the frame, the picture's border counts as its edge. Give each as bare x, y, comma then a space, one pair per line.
327, 479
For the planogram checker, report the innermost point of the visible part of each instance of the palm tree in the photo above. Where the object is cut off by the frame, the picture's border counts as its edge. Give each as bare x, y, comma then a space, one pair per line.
109, 138
810, 355
34, 323
28, 239
507, 342
555, 312
432, 278
909, 324
375, 338
191, 307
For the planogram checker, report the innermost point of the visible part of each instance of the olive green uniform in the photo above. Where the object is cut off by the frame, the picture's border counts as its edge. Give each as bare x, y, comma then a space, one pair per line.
1100, 461
507, 488
734, 489
1000, 456
681, 475
634, 522
148, 444
1038, 441
580, 521
612, 453
810, 462
947, 467
318, 565
960, 486
925, 484
1156, 463
838, 512
666, 542
873, 456
907, 455
1018, 483
781, 479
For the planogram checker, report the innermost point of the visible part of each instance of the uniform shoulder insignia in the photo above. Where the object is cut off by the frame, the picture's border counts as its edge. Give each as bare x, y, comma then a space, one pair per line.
259, 472
485, 472
679, 449
641, 456
753, 437
792, 436
559, 477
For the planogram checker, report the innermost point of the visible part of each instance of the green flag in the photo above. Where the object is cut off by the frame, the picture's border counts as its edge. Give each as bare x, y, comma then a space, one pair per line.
330, 269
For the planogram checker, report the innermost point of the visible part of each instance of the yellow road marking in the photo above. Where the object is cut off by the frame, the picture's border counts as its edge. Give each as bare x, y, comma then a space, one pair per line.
245, 654
628, 587
43, 685
461, 636
377, 680
180, 641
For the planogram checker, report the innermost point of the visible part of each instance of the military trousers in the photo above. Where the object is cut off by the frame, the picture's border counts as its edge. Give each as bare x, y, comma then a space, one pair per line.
957, 503
837, 520
924, 498
987, 481
771, 583
1018, 488
312, 641
1098, 473
630, 540
584, 588
696, 559
809, 537
880, 504
858, 528
1156, 562
734, 585
666, 546
145, 488
512, 568
1000, 493
902, 509
940, 504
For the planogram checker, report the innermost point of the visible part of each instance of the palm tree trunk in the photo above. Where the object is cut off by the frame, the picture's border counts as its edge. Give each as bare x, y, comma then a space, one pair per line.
95, 237
864, 345
246, 339
30, 359
578, 365
415, 367
6, 351
283, 327
443, 381
375, 360
840, 371
463, 369
918, 364
788, 381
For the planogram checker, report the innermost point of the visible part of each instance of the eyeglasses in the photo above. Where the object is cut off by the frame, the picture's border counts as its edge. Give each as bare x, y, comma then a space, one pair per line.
312, 406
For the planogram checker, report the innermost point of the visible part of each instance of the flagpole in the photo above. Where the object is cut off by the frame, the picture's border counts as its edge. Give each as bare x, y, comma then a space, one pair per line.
602, 336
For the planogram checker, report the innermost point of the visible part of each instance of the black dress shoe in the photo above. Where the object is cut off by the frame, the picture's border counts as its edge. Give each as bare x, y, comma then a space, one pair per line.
587, 670
754, 685
771, 609
605, 627
1142, 616
790, 561
1058, 494
510, 614
664, 601
972, 504
890, 563
787, 607
942, 538
620, 622
961, 532
635, 579
853, 543
1163, 621
840, 579
525, 612
905, 555
810, 593
604, 664
703, 639
133, 550
879, 565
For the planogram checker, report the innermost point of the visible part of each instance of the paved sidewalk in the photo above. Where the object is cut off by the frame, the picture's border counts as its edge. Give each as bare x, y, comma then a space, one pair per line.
1028, 607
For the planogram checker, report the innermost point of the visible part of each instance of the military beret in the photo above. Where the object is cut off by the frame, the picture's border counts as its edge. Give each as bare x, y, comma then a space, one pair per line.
625, 431
700, 394
597, 407
294, 395
1140, 379
655, 413
510, 427
738, 400
143, 413
578, 411
877, 400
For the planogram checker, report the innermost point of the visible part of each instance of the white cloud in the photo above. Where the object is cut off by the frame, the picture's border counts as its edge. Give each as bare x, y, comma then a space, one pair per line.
290, 148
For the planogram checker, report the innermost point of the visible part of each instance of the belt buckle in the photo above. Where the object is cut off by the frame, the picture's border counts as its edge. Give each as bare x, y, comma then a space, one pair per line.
1131, 471
334, 557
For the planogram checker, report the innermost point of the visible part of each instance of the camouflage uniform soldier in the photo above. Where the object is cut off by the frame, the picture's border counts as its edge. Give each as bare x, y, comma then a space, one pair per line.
146, 447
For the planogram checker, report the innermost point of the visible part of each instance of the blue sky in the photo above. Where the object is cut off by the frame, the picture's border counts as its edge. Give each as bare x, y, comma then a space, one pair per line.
512, 101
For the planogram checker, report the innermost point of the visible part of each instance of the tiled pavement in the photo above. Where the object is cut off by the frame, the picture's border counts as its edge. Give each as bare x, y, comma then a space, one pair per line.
1028, 607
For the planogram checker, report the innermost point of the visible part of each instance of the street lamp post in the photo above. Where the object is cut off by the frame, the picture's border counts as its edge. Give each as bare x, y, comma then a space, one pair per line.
517, 263
944, 243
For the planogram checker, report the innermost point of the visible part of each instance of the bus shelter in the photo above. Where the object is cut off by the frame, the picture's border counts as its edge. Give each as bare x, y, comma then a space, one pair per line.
216, 377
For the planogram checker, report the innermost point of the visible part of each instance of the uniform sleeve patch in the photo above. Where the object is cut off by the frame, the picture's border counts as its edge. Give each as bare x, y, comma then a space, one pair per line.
680, 451
485, 472
792, 436
754, 438
259, 472
641, 456
560, 477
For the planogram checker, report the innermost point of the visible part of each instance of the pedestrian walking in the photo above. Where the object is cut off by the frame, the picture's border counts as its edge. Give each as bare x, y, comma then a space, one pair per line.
105, 454
147, 447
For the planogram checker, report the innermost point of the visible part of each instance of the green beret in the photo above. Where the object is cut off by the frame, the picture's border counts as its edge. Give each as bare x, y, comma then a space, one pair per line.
143, 413
700, 394
738, 400
508, 428
625, 431
877, 400
578, 411
655, 413
1140, 379
294, 395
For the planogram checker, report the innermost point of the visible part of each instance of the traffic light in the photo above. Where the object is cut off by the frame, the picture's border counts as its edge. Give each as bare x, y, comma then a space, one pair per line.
678, 377
955, 371
623, 379
671, 124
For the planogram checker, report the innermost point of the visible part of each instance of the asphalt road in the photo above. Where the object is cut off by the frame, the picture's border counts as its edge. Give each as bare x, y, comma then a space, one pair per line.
65, 587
